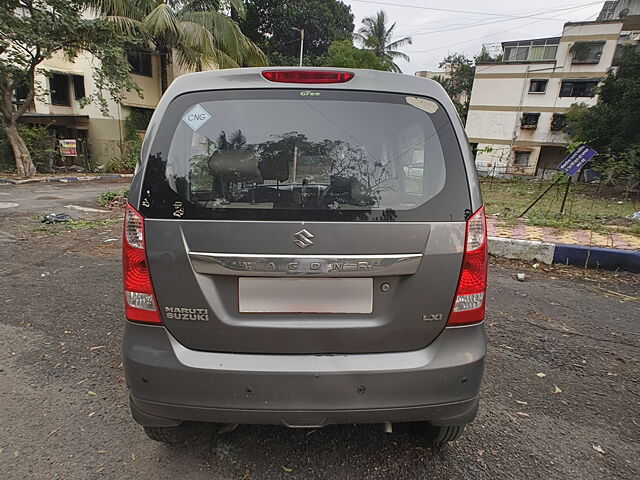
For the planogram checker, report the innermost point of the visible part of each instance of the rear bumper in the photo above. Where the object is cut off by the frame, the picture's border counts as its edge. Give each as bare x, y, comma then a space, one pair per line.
169, 383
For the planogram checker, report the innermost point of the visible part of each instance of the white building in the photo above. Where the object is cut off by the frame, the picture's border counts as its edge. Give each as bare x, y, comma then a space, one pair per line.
63, 84
98, 136
517, 107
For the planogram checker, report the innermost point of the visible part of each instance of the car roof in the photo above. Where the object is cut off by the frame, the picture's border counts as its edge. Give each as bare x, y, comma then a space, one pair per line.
248, 78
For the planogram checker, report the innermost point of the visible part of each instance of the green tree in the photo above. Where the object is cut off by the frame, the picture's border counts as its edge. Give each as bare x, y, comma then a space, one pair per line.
611, 125
344, 54
485, 57
32, 31
459, 81
374, 35
196, 32
271, 24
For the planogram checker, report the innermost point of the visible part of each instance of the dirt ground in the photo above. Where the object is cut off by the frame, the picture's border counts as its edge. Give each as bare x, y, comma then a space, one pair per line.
561, 395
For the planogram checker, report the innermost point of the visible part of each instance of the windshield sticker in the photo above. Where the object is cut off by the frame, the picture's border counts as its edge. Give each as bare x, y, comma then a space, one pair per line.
196, 117
423, 104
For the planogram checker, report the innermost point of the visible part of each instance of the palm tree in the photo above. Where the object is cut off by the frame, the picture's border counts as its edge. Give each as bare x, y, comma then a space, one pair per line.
196, 32
375, 36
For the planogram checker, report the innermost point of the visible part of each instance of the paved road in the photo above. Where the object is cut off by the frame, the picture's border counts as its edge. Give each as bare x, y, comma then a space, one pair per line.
41, 198
64, 405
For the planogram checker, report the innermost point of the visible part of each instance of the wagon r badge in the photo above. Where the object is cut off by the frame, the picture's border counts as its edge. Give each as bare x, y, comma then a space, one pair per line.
303, 238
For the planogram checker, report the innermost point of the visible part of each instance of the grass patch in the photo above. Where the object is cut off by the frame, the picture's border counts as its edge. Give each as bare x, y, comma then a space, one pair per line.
72, 225
112, 198
588, 206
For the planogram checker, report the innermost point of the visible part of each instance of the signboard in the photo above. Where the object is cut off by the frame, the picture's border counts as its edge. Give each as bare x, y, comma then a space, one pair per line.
68, 148
576, 160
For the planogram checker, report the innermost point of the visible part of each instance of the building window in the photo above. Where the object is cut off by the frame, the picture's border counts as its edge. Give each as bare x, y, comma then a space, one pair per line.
587, 52
521, 158
558, 122
543, 49
59, 86
140, 62
20, 94
538, 86
78, 87
529, 120
577, 88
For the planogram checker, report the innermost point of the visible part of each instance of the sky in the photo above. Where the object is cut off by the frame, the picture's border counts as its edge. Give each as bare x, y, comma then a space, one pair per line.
436, 33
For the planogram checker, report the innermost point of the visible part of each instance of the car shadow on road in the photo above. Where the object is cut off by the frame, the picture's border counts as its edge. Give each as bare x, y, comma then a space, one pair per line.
336, 451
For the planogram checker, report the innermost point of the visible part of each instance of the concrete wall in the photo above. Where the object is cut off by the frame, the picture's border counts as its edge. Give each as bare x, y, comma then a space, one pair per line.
151, 88
105, 139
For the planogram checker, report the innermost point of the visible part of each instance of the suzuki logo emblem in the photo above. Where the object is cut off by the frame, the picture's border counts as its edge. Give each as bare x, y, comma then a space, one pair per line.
303, 238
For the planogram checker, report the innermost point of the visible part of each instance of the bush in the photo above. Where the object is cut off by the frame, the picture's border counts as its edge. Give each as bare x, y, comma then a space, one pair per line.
113, 197
137, 120
41, 143
126, 164
611, 125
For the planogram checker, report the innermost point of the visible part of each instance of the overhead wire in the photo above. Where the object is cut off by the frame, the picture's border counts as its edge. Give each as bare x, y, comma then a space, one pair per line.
462, 27
489, 34
448, 10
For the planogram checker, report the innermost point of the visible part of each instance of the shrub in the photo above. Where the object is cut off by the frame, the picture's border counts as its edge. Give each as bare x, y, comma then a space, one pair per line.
126, 164
41, 143
136, 121
113, 197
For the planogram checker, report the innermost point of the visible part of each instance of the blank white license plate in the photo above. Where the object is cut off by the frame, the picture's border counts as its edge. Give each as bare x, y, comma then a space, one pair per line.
305, 295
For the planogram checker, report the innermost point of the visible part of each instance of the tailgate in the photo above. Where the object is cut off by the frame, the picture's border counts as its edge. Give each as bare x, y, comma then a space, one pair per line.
412, 271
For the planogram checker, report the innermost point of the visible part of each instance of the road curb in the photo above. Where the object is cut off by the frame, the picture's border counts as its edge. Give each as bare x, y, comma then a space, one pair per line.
67, 179
576, 255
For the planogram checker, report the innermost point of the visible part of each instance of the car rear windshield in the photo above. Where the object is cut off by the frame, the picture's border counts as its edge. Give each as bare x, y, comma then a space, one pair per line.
305, 155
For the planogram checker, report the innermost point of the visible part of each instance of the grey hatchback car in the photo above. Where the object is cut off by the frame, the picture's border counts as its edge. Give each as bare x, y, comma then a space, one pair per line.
304, 247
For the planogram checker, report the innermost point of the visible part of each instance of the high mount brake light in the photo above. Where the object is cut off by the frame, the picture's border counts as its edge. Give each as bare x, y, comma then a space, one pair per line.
469, 304
139, 300
307, 76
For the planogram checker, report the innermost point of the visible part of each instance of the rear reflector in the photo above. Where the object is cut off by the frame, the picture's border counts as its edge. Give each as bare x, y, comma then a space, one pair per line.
307, 76
139, 300
469, 305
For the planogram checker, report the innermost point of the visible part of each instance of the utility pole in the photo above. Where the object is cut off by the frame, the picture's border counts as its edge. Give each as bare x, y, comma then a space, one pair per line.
301, 30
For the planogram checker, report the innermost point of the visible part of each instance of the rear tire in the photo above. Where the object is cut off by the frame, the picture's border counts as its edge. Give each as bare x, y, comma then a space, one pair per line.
170, 435
444, 434
432, 434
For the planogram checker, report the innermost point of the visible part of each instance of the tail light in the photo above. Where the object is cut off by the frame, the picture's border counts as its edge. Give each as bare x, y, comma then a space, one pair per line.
469, 304
307, 76
139, 300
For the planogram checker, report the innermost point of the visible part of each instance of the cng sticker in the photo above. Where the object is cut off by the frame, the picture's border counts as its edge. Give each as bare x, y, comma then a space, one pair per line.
196, 117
